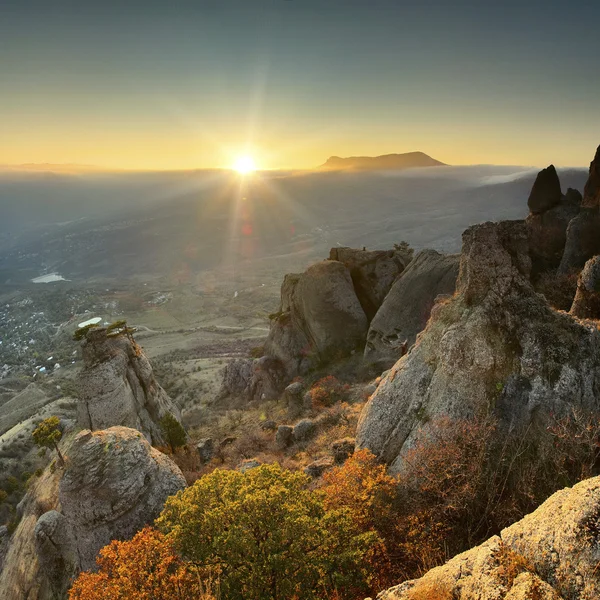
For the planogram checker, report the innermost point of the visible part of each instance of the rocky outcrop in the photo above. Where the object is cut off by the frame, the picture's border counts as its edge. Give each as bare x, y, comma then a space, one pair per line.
583, 233
549, 218
117, 387
587, 299
545, 193
496, 345
373, 272
557, 546
320, 318
114, 484
406, 309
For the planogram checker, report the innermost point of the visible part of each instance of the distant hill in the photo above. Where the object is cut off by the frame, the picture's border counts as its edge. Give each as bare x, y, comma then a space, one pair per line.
376, 163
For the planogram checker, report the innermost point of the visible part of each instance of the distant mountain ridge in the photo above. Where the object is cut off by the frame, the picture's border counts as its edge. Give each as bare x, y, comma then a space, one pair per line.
407, 160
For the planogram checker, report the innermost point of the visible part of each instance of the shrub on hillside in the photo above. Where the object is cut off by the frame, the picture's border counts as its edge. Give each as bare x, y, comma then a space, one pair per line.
268, 536
144, 568
328, 391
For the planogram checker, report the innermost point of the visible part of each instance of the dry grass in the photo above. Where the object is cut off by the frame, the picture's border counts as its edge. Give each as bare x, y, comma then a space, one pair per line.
430, 590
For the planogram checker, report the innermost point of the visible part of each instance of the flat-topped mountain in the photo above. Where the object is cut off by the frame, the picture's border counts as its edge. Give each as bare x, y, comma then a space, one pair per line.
407, 160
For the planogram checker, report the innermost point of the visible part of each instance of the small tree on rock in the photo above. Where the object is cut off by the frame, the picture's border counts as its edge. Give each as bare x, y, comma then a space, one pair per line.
47, 435
173, 432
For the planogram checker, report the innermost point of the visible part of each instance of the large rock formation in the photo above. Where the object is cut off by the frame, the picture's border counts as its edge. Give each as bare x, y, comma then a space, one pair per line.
557, 546
496, 345
549, 218
117, 387
373, 272
587, 299
406, 309
583, 233
114, 484
320, 318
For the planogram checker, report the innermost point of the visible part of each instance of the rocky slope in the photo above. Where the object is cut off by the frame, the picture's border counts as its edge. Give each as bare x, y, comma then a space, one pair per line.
117, 387
552, 553
495, 346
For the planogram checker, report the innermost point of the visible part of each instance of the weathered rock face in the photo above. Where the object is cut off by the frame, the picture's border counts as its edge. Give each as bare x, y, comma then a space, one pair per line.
547, 228
587, 299
591, 193
545, 192
320, 318
114, 484
247, 379
583, 234
406, 309
373, 272
560, 540
495, 345
117, 387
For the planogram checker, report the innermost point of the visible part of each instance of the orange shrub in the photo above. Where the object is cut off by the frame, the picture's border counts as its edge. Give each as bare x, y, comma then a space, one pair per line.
144, 568
328, 391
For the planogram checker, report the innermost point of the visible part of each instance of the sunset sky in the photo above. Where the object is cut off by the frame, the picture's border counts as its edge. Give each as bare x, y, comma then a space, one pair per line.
169, 85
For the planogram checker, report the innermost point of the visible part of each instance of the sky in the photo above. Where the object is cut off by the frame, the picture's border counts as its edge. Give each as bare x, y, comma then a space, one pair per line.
176, 85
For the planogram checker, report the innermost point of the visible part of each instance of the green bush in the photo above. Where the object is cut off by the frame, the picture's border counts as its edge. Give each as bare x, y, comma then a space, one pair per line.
268, 536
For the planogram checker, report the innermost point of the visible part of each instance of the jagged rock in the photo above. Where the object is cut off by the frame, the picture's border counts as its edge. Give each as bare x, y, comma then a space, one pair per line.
320, 318
559, 541
117, 387
587, 299
284, 436
247, 379
591, 192
269, 378
303, 430
406, 309
237, 379
373, 272
545, 192
318, 467
248, 464
114, 484
342, 449
547, 225
583, 233
206, 449
495, 344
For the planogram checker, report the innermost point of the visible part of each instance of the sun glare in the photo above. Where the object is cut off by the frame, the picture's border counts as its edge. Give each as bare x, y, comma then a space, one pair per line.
244, 165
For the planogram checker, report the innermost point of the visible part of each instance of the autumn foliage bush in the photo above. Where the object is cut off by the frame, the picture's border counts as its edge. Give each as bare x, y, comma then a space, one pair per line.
328, 391
144, 568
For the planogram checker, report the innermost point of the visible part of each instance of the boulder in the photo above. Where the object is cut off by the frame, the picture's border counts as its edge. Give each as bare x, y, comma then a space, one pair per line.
545, 192
342, 449
320, 318
248, 464
206, 449
496, 345
318, 467
114, 484
587, 299
268, 425
303, 430
373, 272
245, 379
558, 542
294, 395
284, 436
406, 309
117, 387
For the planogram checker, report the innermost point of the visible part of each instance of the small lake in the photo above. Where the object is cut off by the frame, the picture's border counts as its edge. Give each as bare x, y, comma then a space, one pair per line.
50, 278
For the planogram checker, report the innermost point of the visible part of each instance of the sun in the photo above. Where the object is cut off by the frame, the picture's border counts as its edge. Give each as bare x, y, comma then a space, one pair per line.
244, 165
